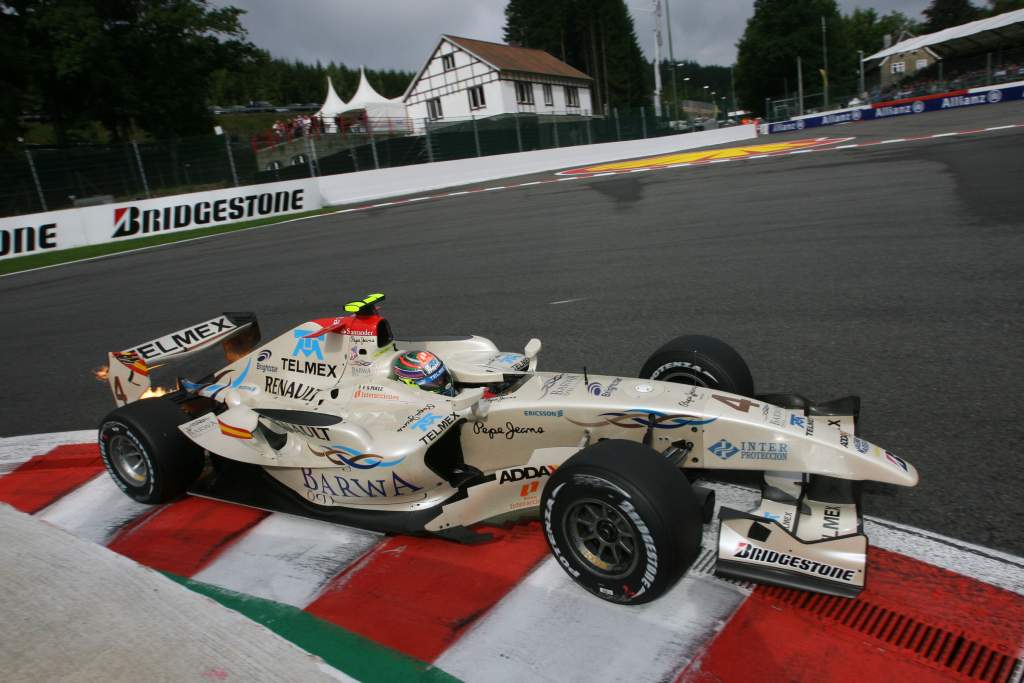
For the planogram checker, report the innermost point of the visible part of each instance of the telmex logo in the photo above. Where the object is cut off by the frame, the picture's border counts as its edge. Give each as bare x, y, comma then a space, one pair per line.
706, 156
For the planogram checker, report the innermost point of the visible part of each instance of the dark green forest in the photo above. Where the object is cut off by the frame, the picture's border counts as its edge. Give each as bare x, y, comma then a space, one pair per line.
128, 69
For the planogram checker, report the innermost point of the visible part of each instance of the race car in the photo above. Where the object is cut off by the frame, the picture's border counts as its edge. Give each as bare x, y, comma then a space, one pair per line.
338, 420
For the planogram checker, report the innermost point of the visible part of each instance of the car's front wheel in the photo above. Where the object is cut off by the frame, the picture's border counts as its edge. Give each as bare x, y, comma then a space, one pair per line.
145, 453
622, 521
702, 361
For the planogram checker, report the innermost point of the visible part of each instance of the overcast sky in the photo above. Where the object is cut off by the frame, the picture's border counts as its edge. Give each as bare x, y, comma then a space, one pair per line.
399, 34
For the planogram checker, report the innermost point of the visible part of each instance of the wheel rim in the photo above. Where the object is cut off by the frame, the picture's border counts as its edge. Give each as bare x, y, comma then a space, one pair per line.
128, 460
602, 538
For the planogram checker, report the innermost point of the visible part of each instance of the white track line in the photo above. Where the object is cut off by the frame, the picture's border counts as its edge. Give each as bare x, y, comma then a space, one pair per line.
287, 559
547, 626
94, 511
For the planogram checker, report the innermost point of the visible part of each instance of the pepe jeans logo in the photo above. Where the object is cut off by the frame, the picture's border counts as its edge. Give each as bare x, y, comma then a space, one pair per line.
917, 106
994, 96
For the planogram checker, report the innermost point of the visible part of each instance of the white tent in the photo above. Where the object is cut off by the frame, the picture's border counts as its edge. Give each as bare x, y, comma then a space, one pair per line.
373, 103
333, 106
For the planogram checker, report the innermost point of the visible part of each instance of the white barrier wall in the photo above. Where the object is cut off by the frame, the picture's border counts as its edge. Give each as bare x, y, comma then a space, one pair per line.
391, 182
54, 230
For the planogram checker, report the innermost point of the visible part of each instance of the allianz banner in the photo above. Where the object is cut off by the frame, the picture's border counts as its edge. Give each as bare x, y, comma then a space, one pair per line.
913, 105
56, 230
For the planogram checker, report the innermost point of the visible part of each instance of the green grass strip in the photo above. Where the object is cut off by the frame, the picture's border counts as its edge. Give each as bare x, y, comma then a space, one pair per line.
50, 258
353, 654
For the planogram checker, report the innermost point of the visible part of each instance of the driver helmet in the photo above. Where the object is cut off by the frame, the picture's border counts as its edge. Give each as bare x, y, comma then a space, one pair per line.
424, 370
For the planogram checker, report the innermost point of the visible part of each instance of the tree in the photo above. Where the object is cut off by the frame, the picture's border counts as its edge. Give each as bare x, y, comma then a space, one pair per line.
1000, 6
126, 63
780, 31
865, 30
595, 36
946, 13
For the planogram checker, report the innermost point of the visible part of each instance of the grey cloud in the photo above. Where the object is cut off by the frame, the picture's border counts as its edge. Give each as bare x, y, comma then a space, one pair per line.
398, 34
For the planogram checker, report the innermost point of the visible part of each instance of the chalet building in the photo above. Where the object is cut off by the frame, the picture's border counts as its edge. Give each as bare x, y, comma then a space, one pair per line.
465, 77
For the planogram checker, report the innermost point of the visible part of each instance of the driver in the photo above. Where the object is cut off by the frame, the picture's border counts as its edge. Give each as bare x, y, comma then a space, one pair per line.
424, 370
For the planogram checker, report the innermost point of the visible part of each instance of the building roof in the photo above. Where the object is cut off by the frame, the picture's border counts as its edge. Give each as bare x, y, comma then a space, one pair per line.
970, 38
521, 59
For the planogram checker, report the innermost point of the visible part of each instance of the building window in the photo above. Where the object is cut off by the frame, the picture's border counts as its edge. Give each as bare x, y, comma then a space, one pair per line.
524, 92
448, 61
476, 97
898, 67
434, 110
572, 96
549, 98
920, 64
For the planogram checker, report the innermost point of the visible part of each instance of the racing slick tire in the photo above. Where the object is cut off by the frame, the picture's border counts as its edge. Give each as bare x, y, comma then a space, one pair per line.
146, 454
700, 360
622, 521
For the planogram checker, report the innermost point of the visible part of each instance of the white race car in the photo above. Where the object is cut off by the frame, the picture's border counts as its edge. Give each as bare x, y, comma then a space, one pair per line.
339, 421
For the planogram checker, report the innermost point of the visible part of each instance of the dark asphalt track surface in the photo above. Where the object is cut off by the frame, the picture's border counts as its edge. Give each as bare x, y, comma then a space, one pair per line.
893, 271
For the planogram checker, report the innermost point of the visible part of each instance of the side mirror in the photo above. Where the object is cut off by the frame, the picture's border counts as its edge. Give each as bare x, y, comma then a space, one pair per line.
468, 399
532, 349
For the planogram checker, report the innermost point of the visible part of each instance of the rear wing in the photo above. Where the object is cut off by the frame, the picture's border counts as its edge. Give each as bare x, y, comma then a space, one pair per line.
128, 370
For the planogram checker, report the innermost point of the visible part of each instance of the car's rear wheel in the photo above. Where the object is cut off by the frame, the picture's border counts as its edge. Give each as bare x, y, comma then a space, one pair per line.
702, 361
145, 453
622, 521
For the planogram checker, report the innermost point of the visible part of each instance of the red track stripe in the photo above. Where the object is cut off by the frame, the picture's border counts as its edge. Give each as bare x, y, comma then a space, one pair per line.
418, 595
904, 626
46, 478
184, 537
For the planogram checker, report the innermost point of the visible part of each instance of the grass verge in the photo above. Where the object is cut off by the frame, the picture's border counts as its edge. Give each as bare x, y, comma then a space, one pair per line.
51, 258
349, 652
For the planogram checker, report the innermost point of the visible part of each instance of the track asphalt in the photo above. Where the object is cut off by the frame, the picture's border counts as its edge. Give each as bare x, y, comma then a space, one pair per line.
892, 271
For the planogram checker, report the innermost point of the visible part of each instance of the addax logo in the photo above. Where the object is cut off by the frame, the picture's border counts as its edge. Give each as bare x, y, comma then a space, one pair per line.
724, 450
306, 346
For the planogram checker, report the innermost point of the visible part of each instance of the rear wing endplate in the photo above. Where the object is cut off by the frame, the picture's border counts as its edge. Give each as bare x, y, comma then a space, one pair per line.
128, 370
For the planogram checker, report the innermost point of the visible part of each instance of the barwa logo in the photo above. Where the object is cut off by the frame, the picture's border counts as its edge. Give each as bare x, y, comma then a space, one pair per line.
132, 220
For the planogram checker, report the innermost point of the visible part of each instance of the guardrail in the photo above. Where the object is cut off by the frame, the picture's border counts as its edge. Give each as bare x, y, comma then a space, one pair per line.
921, 104
68, 228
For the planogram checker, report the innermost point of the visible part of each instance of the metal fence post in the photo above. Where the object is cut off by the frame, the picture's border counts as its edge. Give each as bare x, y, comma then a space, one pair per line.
590, 139
310, 154
142, 171
476, 135
35, 178
430, 147
519, 137
618, 131
231, 159
352, 153
554, 124
643, 122
373, 145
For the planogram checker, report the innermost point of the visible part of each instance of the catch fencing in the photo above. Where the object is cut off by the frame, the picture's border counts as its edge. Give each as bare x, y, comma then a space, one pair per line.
38, 178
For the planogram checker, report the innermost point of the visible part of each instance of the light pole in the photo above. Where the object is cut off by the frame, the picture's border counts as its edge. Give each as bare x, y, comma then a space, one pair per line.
671, 57
686, 79
860, 54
